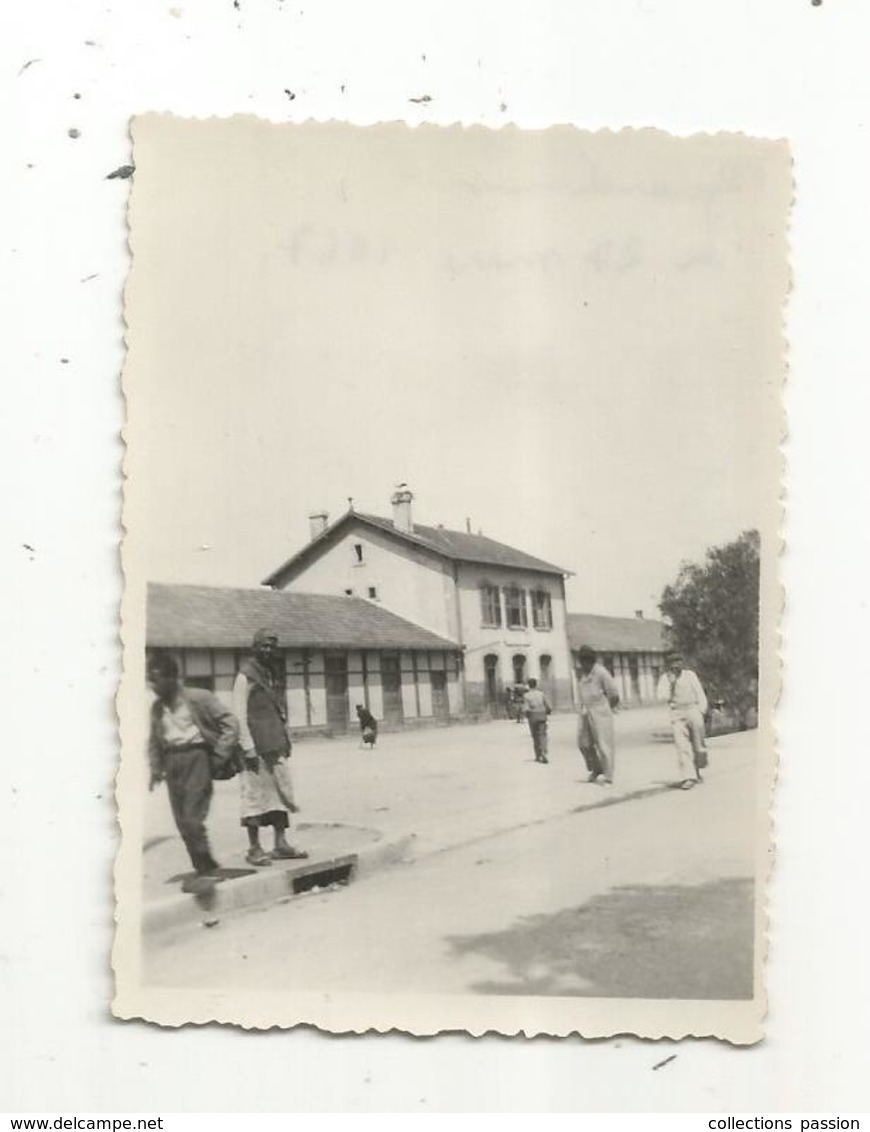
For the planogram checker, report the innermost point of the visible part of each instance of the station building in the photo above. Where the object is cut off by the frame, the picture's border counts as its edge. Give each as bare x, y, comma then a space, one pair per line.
505, 608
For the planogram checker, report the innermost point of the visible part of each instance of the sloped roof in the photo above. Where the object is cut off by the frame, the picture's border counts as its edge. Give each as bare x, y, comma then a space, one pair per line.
458, 546
214, 617
615, 634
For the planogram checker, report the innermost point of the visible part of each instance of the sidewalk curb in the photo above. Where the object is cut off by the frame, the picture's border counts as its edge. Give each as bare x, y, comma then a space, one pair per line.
266, 887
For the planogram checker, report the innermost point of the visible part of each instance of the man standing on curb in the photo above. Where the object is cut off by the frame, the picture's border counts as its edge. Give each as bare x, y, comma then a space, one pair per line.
537, 707
682, 690
596, 690
266, 785
189, 728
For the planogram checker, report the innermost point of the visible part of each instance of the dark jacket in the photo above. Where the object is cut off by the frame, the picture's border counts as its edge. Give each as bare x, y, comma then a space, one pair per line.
267, 711
367, 721
219, 727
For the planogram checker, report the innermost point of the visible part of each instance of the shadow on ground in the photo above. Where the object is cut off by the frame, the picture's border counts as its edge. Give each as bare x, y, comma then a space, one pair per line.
637, 941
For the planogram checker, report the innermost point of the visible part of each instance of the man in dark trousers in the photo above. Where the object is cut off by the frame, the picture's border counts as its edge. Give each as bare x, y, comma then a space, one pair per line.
266, 786
537, 707
189, 728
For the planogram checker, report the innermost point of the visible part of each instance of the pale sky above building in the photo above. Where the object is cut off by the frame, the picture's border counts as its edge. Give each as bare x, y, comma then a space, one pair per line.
574, 341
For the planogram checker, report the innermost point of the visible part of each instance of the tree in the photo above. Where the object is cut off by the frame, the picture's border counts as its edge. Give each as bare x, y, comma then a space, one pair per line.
713, 614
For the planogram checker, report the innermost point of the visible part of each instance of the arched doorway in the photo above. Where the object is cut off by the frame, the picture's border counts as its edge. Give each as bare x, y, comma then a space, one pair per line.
519, 666
548, 684
491, 682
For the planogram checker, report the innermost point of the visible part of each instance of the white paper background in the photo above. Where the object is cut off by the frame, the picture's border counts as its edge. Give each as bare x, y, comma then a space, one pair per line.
781, 68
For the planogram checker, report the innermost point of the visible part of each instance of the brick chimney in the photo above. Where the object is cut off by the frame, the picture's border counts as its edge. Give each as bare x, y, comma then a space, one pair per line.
318, 521
401, 501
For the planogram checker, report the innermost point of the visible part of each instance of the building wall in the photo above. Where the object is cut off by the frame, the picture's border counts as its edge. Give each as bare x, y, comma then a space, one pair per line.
306, 683
633, 692
410, 582
481, 640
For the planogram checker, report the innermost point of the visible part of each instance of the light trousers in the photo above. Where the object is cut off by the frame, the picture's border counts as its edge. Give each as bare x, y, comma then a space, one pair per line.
688, 728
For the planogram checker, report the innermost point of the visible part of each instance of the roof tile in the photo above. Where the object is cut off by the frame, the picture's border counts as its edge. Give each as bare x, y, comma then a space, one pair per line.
615, 634
214, 617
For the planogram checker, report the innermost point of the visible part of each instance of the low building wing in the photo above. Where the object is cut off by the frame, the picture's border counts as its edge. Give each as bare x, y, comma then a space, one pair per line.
615, 634
181, 616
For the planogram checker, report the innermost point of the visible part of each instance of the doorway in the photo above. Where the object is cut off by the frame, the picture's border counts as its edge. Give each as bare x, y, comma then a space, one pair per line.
440, 704
337, 708
491, 683
547, 682
391, 685
634, 678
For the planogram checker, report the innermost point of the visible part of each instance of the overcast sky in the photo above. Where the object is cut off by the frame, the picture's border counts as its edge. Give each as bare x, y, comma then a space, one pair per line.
573, 340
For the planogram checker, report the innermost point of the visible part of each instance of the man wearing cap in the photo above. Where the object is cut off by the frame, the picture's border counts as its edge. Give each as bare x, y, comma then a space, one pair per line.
681, 689
598, 695
264, 737
189, 728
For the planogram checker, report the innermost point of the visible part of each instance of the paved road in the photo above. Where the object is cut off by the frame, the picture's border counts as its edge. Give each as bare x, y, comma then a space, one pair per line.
444, 785
650, 897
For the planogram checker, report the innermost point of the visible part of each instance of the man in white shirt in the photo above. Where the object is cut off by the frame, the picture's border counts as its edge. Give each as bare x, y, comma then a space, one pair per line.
537, 707
192, 734
681, 689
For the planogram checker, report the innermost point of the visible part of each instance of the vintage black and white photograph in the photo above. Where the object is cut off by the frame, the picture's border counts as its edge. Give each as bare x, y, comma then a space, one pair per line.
451, 516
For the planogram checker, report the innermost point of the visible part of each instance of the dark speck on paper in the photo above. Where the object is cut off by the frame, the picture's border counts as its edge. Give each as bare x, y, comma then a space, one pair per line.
289, 94
122, 173
422, 98
29, 63
667, 1061
64, 361
74, 133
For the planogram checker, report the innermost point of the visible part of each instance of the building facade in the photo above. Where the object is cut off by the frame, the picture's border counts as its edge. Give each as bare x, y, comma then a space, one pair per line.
505, 608
335, 652
631, 648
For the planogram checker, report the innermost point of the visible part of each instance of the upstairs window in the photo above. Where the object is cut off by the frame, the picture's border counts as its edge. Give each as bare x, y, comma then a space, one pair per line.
542, 610
358, 553
490, 606
515, 608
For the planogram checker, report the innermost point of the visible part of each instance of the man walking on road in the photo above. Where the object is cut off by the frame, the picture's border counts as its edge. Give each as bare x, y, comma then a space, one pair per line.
682, 690
598, 696
266, 785
537, 707
190, 727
